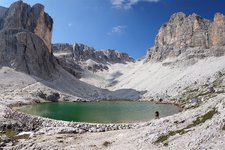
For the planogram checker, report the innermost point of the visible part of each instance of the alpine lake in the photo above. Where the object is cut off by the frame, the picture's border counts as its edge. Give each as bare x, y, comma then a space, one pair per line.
101, 111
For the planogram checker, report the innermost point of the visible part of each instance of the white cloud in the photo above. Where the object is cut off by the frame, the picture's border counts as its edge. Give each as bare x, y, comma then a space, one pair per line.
117, 30
127, 4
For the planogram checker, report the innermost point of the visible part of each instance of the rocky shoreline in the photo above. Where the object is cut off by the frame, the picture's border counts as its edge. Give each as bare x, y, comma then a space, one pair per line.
23, 122
34, 126
37, 122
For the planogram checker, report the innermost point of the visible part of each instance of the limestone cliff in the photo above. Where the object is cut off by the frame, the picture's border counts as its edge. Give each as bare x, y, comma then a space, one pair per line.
25, 43
217, 31
184, 32
78, 57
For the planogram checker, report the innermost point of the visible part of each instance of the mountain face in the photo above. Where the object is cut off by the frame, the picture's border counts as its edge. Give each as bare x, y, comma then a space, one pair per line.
25, 34
184, 32
81, 52
74, 58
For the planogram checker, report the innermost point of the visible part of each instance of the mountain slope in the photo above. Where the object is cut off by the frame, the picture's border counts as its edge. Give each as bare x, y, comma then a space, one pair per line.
168, 78
28, 66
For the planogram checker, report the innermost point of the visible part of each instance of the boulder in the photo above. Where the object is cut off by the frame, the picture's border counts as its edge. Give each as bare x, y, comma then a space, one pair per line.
53, 97
5, 139
41, 95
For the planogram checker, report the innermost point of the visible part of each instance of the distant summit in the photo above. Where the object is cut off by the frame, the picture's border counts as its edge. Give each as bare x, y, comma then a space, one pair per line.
182, 33
81, 52
77, 57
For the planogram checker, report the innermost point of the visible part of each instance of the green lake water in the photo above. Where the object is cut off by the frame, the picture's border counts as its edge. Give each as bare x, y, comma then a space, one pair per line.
100, 112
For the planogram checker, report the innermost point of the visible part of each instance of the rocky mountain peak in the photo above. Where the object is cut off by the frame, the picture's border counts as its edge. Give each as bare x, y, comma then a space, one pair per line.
22, 16
219, 17
81, 52
78, 57
177, 17
184, 32
26, 34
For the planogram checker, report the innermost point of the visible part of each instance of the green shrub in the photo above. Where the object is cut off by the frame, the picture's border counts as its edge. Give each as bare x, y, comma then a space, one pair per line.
107, 143
196, 122
203, 118
223, 127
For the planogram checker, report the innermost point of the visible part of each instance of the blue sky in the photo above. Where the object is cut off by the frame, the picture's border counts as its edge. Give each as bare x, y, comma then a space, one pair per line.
126, 25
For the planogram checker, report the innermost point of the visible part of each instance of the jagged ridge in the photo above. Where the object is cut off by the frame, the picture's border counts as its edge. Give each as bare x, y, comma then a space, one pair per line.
183, 32
74, 58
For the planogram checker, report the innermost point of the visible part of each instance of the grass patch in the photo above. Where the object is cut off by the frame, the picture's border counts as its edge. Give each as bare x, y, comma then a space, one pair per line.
164, 138
1, 133
202, 119
106, 143
196, 122
12, 134
165, 144
192, 90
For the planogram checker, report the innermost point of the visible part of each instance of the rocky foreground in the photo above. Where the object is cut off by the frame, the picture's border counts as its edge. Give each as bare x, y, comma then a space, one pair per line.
185, 67
199, 128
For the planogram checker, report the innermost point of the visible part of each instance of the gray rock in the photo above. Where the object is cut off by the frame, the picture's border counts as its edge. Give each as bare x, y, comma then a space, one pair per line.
22, 16
41, 95
195, 100
196, 36
53, 97
81, 131
25, 43
81, 52
2, 144
5, 139
211, 90
217, 31
3, 11
73, 58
